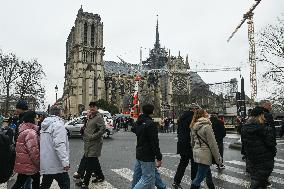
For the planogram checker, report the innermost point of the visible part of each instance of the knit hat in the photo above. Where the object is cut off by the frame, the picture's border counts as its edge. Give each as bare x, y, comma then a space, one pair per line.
256, 111
23, 105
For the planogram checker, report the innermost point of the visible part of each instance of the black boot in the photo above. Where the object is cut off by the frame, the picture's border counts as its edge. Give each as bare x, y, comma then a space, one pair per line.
255, 184
211, 186
194, 187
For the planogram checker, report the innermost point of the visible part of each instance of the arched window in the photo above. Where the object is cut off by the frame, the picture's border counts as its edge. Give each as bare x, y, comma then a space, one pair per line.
92, 56
85, 56
92, 35
85, 34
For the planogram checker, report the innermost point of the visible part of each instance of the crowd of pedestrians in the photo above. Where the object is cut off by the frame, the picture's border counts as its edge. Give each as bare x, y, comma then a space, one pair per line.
26, 141
32, 145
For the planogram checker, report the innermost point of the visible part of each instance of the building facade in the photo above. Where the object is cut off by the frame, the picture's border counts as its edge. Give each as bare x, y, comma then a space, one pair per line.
84, 73
165, 79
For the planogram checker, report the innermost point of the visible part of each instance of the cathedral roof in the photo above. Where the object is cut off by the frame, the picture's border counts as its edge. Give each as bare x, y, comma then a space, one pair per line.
112, 67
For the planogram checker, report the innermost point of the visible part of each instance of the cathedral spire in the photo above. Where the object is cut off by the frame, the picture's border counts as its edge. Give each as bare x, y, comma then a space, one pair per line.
187, 62
157, 44
80, 11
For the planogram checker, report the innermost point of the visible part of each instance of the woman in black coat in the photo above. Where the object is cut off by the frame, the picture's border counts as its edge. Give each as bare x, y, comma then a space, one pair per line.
260, 144
184, 148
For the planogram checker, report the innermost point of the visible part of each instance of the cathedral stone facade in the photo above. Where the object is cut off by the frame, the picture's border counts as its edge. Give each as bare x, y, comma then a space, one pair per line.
84, 67
165, 79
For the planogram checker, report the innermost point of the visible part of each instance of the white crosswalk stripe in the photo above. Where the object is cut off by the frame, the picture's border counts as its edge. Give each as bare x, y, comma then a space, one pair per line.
279, 171
126, 173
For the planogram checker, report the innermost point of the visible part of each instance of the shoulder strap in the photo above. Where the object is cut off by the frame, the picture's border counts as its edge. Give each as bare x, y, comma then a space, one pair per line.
200, 138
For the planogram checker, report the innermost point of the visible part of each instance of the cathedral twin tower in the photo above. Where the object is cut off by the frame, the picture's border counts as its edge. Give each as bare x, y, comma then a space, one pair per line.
84, 69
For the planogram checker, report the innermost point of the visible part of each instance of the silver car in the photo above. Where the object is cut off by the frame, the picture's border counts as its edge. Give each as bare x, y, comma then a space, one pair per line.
74, 126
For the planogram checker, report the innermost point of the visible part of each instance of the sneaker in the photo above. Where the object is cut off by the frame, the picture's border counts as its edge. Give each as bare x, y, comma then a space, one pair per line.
97, 180
82, 185
268, 184
222, 166
77, 176
176, 186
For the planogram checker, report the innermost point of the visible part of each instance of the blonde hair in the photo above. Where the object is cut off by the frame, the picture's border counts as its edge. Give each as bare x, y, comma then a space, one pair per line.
197, 114
259, 119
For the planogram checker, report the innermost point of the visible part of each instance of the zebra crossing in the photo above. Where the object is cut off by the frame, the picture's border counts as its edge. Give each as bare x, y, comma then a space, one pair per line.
234, 176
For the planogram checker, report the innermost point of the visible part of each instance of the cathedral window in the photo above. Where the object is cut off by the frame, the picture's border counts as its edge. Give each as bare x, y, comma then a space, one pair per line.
92, 35
85, 55
85, 33
92, 56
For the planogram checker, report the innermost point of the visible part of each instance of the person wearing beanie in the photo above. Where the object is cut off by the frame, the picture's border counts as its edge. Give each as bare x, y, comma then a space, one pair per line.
21, 108
260, 145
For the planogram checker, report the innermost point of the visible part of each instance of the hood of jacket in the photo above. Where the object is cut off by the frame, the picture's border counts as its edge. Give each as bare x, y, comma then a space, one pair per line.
186, 116
200, 123
252, 127
142, 118
25, 126
48, 121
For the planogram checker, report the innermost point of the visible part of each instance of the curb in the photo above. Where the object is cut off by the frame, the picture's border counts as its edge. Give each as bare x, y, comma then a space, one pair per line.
236, 146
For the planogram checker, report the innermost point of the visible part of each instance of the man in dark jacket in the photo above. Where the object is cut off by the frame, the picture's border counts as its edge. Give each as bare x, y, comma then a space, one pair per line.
21, 108
266, 106
147, 150
184, 146
219, 132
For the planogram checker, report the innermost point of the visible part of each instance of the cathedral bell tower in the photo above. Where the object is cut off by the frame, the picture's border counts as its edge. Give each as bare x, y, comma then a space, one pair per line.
84, 73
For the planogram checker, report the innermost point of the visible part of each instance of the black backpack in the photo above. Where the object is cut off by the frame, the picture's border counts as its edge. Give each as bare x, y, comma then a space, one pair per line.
7, 158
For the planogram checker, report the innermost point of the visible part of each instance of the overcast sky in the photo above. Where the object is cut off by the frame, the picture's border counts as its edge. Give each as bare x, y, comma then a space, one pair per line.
199, 28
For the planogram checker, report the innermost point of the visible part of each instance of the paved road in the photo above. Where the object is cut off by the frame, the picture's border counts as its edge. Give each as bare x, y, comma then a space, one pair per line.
118, 157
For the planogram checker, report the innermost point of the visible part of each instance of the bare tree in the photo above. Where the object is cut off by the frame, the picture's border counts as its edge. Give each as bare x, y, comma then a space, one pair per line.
271, 56
29, 83
10, 72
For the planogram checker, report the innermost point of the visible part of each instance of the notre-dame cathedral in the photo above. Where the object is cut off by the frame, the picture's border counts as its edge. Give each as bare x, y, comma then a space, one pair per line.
165, 79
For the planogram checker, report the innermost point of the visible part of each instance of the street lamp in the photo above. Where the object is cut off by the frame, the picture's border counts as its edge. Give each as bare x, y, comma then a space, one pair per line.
56, 90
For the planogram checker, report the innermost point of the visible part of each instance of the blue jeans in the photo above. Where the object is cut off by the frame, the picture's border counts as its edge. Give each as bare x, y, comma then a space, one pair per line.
147, 176
28, 183
202, 172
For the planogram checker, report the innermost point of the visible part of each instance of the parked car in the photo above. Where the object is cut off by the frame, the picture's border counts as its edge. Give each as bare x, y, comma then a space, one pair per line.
74, 126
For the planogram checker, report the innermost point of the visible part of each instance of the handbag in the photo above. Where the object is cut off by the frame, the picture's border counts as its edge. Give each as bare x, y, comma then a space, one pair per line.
199, 138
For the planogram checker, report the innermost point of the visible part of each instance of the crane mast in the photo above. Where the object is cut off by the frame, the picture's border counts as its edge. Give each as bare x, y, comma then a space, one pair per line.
249, 17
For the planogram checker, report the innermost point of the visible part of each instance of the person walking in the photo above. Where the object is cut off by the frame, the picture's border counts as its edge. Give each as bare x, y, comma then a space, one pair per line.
266, 107
220, 133
205, 148
27, 152
54, 142
184, 148
21, 108
147, 151
93, 143
7, 157
80, 173
260, 145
